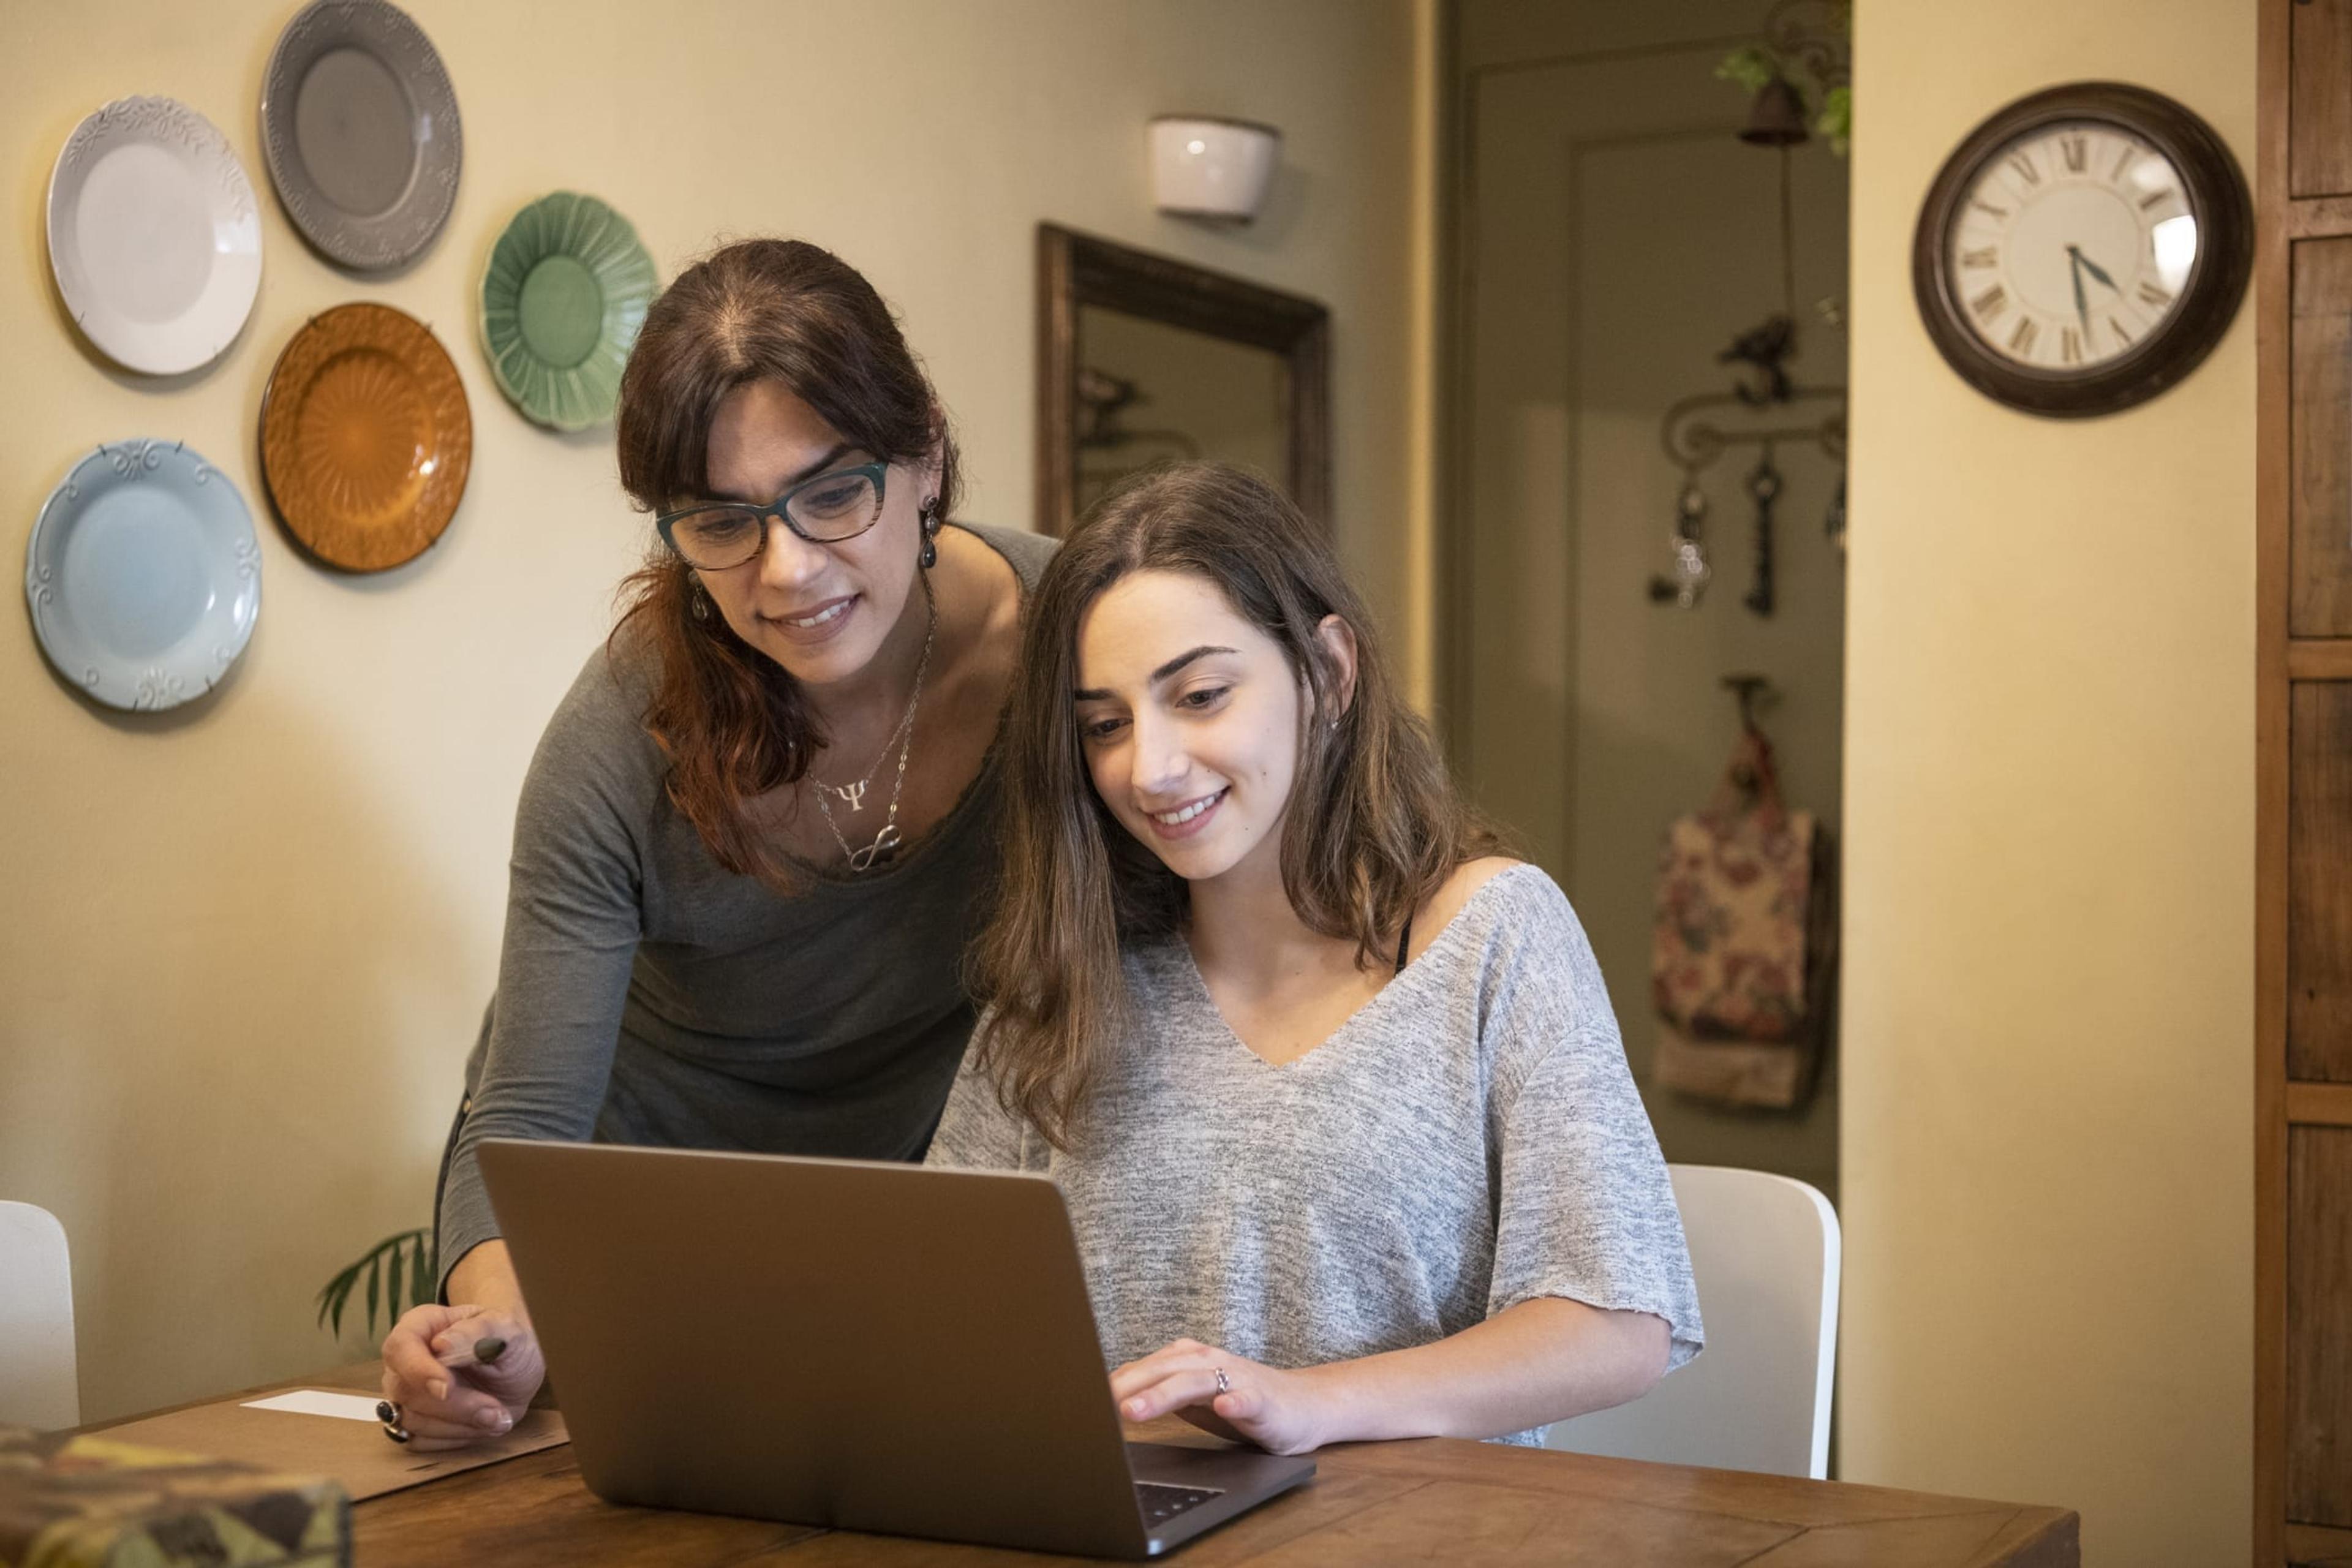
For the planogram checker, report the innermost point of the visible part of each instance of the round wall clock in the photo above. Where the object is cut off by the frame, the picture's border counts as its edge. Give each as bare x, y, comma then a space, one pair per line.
2083, 249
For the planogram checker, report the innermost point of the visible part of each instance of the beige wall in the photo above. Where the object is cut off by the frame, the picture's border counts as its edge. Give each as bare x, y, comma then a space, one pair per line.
2049, 813
248, 944
1616, 237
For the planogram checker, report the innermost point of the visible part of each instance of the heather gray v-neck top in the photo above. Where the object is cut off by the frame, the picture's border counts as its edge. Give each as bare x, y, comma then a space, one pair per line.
647, 995
1470, 1140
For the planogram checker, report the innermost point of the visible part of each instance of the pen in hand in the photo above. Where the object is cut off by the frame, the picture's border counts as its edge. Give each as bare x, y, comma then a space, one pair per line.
486, 1349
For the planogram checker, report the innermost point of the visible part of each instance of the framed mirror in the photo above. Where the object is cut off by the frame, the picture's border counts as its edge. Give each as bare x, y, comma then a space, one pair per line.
1143, 358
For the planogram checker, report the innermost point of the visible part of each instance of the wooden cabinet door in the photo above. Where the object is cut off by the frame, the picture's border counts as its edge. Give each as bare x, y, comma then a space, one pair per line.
2303, 1091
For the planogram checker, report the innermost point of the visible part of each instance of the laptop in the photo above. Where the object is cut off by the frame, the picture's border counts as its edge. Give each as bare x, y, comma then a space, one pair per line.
841, 1342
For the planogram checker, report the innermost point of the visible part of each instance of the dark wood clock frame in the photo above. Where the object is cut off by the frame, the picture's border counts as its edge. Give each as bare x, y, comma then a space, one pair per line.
2216, 194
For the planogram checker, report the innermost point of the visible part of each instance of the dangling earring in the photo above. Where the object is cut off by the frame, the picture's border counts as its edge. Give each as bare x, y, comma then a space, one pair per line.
929, 514
698, 599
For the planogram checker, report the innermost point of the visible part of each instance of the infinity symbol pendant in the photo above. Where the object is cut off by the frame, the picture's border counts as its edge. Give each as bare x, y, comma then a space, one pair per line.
884, 842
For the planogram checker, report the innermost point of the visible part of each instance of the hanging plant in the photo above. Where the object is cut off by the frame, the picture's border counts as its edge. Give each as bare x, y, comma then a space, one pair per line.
1805, 46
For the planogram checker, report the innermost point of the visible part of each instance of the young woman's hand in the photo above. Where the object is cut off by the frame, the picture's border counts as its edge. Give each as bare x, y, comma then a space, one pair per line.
1281, 1411
448, 1396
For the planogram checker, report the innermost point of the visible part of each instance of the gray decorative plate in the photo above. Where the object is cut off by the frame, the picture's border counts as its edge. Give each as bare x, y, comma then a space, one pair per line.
358, 126
143, 576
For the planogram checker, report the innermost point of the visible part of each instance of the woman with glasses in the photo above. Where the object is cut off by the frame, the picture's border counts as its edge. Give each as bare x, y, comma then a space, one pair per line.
747, 848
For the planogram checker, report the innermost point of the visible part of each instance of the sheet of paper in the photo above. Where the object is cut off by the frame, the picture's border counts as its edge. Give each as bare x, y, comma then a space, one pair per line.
319, 1402
356, 1454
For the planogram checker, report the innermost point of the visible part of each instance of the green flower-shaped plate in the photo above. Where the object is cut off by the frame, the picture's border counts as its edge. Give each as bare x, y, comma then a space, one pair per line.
562, 298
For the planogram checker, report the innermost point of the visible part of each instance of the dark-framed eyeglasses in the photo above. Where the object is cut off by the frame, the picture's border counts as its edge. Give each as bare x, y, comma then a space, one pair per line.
715, 535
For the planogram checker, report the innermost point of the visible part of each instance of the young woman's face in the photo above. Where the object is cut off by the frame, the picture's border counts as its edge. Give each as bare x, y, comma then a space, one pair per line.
822, 611
1188, 716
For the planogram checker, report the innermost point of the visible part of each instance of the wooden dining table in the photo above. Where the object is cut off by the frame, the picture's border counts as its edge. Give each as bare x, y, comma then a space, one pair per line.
1430, 1501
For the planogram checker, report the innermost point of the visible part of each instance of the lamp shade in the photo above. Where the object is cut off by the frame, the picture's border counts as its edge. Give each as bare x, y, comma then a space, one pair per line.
1212, 168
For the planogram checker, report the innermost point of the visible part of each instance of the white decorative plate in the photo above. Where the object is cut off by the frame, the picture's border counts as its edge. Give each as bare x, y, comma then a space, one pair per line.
153, 235
143, 576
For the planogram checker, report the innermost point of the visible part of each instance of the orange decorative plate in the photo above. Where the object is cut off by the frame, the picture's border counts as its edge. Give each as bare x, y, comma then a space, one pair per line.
366, 438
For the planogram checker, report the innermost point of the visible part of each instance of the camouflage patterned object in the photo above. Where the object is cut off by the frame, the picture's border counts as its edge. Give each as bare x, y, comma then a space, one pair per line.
82, 1501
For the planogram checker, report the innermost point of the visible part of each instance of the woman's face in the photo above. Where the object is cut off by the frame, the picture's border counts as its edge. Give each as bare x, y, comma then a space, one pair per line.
1188, 716
822, 611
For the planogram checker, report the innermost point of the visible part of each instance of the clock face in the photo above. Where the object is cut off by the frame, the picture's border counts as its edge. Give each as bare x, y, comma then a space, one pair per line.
2070, 247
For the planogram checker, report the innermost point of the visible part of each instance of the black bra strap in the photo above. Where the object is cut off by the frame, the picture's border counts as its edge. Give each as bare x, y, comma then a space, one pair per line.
1405, 940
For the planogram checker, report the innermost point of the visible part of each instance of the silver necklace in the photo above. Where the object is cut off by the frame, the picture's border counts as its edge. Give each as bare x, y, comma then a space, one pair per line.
886, 841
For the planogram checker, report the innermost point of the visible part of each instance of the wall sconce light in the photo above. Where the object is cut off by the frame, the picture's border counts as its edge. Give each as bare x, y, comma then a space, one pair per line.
1209, 167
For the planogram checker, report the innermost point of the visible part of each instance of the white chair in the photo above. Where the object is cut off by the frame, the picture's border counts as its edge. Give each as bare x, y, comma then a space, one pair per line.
38, 1386
1764, 1249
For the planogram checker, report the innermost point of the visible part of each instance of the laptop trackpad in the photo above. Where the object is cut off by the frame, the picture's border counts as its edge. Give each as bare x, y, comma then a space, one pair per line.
1220, 1468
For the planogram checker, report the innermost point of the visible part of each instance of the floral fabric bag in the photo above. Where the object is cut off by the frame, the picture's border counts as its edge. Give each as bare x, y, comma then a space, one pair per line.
1742, 957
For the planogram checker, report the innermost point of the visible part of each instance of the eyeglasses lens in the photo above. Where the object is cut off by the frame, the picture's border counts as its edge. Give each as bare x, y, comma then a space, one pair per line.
835, 508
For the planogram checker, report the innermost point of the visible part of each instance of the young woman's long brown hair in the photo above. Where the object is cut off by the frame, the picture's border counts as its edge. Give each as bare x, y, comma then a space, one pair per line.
732, 723
1372, 826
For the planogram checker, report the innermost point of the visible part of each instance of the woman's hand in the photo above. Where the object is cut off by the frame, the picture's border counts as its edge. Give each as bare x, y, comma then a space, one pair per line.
1281, 1411
449, 1397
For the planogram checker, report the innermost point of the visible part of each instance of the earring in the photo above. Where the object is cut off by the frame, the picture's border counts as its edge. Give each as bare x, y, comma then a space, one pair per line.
698, 599
929, 514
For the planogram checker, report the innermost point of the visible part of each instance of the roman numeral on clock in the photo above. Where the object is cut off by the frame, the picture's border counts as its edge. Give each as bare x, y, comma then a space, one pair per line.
2021, 340
2077, 149
2025, 169
2151, 295
1986, 256
1989, 303
2070, 346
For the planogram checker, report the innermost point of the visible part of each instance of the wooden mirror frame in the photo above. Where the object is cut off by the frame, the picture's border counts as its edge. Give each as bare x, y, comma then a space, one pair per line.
1077, 270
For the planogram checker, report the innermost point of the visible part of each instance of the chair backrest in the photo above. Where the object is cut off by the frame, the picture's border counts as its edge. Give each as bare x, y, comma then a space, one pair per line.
38, 1386
1764, 1249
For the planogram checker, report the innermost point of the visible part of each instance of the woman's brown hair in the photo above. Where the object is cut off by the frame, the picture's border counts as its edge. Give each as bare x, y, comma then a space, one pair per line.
732, 723
1371, 830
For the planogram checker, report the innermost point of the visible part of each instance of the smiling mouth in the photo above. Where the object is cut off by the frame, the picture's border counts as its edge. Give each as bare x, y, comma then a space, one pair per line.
825, 617
1186, 813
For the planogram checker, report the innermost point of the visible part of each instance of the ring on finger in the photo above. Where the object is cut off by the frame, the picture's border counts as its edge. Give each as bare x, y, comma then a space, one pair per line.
1222, 1386
392, 1415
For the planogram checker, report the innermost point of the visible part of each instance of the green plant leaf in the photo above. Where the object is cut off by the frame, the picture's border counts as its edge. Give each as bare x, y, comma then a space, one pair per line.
1751, 66
400, 1263
1835, 123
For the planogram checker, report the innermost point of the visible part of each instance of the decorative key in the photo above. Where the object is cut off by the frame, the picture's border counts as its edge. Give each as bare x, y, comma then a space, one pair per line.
1764, 486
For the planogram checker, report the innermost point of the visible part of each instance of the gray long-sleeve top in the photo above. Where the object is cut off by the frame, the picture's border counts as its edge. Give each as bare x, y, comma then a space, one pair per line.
645, 995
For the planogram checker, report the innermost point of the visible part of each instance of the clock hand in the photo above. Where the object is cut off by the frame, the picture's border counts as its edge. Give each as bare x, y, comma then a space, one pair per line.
2082, 306
2093, 268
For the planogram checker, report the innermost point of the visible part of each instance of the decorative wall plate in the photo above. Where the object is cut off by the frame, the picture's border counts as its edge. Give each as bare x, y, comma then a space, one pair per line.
366, 438
153, 235
562, 298
358, 126
143, 576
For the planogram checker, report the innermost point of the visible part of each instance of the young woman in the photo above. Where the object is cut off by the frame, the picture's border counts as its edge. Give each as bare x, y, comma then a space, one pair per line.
748, 846
1334, 1097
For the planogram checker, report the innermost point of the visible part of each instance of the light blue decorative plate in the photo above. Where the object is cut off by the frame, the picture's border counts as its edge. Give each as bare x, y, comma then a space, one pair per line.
143, 576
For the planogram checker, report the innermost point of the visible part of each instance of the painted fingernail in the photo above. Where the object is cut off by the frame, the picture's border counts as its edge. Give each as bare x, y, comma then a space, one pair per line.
438, 1388
489, 1348
496, 1420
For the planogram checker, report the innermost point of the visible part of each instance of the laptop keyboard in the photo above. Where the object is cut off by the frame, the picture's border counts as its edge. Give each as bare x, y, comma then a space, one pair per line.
1162, 1503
